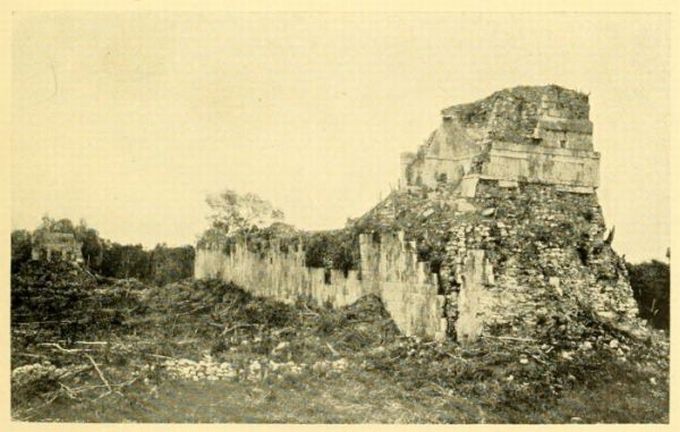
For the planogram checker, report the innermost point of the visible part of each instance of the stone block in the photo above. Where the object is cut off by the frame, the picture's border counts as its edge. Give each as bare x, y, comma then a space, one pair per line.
508, 183
468, 186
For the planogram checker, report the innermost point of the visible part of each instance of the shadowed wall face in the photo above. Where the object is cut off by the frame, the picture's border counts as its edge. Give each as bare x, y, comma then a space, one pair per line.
390, 269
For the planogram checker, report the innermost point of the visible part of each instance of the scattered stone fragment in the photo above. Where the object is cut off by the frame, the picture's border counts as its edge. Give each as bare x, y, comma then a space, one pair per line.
488, 211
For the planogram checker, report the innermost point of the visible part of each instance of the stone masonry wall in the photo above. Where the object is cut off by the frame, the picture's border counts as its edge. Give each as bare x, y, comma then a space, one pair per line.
540, 164
518, 260
389, 269
536, 261
533, 134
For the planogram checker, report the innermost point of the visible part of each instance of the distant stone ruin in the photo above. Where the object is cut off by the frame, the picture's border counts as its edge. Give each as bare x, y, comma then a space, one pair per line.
54, 245
495, 230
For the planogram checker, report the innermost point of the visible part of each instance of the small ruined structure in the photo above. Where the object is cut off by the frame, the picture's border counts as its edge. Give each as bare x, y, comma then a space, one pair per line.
55, 245
495, 230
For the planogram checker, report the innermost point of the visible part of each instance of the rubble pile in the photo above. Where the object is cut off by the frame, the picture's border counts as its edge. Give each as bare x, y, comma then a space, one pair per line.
551, 261
548, 253
511, 114
253, 370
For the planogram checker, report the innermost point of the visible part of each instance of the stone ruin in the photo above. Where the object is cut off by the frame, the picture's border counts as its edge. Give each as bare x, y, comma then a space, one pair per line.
507, 188
528, 134
54, 245
389, 268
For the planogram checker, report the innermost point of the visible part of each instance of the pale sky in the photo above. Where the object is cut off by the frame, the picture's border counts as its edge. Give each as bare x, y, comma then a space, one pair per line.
129, 119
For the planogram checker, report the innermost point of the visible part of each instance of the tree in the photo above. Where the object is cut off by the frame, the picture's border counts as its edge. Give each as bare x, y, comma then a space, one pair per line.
651, 282
125, 261
231, 212
21, 248
214, 239
47, 225
92, 245
51, 225
170, 264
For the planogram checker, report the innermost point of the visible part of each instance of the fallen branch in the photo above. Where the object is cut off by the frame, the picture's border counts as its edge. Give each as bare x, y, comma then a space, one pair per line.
214, 324
43, 322
309, 311
101, 376
196, 309
538, 359
160, 356
31, 355
510, 338
70, 373
232, 328
69, 391
60, 348
225, 310
330, 347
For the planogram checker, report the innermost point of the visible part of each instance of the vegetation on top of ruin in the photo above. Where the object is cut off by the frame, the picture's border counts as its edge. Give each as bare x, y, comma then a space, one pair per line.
106, 258
572, 102
512, 114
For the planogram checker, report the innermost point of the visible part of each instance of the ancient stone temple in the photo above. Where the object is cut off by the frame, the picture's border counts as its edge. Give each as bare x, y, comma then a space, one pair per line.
496, 230
54, 245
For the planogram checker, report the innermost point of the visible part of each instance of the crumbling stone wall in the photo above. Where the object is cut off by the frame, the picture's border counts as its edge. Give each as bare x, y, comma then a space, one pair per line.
507, 217
517, 260
389, 269
536, 259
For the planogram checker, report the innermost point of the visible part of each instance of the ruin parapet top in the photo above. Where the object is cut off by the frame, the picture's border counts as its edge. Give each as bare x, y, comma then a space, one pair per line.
539, 134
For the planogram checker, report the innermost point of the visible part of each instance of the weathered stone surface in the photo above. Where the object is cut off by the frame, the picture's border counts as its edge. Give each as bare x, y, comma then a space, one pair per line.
389, 269
50, 245
471, 298
537, 134
514, 235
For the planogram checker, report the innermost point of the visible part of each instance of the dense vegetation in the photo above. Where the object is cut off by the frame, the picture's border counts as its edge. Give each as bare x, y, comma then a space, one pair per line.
160, 265
206, 351
651, 283
166, 348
